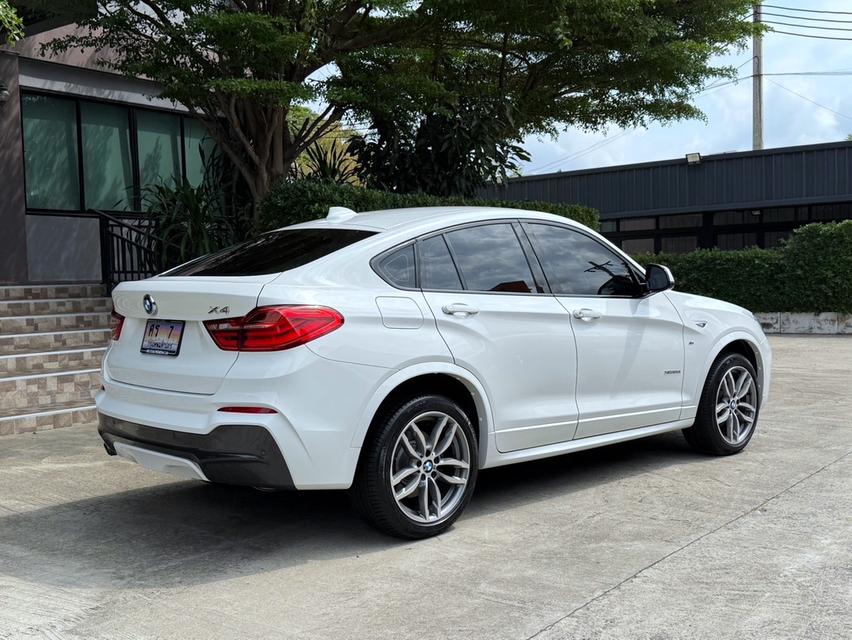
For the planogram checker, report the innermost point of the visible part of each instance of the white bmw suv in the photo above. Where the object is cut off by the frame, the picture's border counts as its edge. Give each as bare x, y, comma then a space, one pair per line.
396, 353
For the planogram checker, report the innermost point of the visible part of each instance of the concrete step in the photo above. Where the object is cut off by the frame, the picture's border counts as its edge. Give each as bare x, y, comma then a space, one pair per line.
13, 308
54, 416
48, 291
53, 341
31, 393
21, 364
54, 322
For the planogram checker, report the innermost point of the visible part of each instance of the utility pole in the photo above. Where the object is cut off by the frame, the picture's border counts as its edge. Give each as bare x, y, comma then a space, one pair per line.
757, 84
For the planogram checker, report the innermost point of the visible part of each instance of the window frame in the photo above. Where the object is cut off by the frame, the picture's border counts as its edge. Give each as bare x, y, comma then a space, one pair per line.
641, 291
132, 109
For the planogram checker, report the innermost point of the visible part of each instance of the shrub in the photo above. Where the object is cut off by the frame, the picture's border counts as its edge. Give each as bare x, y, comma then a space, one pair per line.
808, 273
303, 200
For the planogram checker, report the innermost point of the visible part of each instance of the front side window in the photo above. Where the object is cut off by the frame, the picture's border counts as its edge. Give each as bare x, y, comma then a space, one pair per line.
490, 258
576, 264
272, 252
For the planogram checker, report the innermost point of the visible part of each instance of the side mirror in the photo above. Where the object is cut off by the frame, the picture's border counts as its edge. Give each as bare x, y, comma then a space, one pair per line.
658, 278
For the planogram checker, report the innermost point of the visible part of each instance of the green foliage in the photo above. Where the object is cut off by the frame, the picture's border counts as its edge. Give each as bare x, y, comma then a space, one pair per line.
808, 273
330, 162
189, 221
448, 153
303, 200
11, 25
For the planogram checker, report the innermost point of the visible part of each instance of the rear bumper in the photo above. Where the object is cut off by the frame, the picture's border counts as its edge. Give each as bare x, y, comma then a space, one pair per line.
230, 454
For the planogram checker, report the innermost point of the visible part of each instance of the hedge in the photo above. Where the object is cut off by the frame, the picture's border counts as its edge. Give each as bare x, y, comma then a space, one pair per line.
810, 272
302, 200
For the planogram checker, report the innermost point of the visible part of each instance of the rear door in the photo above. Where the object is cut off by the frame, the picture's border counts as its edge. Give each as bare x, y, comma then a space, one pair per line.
499, 324
629, 346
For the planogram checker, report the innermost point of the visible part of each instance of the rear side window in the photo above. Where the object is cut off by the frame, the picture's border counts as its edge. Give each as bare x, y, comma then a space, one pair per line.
437, 270
576, 264
490, 258
398, 268
272, 253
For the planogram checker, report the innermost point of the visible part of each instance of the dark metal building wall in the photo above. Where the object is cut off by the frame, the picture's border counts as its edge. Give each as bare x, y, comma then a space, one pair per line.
771, 178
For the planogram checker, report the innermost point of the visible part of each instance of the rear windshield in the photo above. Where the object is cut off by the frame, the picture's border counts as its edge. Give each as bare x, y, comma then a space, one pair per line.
271, 253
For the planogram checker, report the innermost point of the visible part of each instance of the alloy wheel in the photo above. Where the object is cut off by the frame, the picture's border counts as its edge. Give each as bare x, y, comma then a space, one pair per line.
430, 467
736, 405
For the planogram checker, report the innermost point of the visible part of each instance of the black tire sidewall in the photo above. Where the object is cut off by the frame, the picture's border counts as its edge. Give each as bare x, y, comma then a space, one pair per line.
381, 507
706, 419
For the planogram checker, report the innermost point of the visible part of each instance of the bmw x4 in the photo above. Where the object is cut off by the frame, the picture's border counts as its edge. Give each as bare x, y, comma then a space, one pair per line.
397, 353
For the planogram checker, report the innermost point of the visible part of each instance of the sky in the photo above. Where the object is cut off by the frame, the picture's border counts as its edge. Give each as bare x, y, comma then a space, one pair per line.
788, 119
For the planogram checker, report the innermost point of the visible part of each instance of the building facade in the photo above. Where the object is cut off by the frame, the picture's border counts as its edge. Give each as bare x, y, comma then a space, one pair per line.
75, 139
729, 201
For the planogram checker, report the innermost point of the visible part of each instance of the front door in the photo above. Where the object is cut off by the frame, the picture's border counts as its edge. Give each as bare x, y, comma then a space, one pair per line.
500, 325
630, 353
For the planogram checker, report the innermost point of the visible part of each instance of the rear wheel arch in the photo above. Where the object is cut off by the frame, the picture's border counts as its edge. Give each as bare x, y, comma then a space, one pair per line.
455, 385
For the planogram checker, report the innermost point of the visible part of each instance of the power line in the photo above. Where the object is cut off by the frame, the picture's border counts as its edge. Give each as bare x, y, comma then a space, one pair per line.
809, 35
807, 26
784, 15
814, 102
775, 6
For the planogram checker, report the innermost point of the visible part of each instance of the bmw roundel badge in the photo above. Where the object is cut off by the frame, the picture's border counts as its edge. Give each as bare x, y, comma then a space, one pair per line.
149, 305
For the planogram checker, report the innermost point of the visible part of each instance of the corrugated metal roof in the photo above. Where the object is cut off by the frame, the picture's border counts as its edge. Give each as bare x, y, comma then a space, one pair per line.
785, 176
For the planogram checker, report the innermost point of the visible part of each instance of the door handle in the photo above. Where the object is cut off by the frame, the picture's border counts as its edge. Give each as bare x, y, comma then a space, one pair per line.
586, 314
459, 310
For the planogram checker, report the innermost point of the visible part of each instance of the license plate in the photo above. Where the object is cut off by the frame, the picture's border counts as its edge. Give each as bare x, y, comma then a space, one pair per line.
162, 337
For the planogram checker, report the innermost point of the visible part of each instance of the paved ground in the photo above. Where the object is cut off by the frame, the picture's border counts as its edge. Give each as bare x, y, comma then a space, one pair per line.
642, 540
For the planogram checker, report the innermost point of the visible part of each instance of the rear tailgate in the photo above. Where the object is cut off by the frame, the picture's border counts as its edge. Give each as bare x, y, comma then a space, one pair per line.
199, 366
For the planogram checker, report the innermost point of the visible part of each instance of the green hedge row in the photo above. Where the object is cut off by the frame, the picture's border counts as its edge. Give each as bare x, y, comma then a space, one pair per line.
811, 272
302, 200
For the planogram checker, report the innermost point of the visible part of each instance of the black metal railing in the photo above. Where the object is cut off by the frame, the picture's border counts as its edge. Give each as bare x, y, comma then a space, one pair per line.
129, 248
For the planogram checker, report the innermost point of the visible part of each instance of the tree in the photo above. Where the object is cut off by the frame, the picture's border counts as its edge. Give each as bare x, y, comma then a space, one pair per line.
548, 65
11, 25
242, 65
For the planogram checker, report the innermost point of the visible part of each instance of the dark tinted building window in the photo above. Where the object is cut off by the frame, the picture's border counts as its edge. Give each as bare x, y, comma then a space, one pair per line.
272, 253
678, 244
681, 221
638, 245
577, 264
437, 270
638, 224
398, 267
490, 258
736, 240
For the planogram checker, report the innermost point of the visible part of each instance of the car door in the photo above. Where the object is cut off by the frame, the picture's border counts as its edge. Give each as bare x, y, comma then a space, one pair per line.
629, 345
500, 324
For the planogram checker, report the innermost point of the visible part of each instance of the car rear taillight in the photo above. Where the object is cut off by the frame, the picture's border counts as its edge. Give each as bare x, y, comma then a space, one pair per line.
273, 328
116, 322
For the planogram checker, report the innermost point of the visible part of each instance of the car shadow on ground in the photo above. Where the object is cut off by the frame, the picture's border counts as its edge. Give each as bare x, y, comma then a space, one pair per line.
184, 533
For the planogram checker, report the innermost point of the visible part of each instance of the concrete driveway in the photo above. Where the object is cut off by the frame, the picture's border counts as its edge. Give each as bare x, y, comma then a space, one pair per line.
641, 540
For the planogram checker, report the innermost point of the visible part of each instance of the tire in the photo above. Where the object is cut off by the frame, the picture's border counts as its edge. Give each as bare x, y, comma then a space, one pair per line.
722, 428
437, 471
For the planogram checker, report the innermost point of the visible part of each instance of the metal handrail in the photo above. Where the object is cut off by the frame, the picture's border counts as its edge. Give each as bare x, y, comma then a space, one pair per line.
128, 252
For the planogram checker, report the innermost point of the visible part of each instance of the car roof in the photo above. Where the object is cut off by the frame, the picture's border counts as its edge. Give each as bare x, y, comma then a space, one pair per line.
417, 220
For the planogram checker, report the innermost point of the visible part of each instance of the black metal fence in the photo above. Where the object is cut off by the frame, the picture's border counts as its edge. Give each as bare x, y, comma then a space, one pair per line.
129, 248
